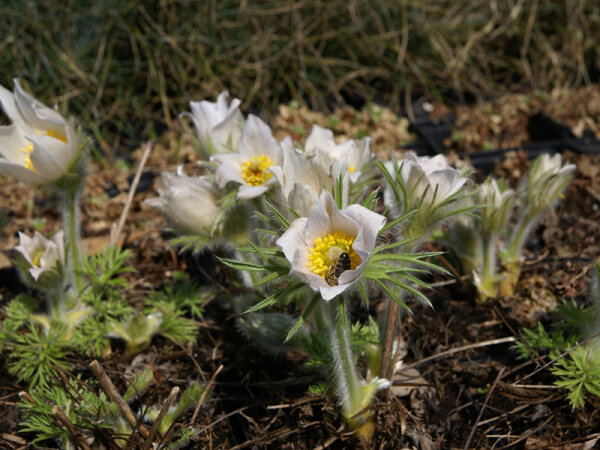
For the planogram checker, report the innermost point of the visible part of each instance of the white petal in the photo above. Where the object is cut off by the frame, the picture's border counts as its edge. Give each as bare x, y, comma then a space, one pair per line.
302, 199
50, 156
247, 192
22, 173
326, 218
229, 169
319, 138
9, 106
257, 140
12, 144
35, 112
293, 240
371, 223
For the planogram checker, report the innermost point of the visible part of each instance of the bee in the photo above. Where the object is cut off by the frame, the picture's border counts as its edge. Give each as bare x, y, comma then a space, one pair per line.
340, 261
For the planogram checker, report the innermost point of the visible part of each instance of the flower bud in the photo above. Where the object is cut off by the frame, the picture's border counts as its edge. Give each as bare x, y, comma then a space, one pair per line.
190, 204
497, 202
545, 183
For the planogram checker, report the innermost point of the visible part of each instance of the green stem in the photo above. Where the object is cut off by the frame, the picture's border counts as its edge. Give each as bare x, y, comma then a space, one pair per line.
489, 256
343, 372
71, 225
516, 243
55, 303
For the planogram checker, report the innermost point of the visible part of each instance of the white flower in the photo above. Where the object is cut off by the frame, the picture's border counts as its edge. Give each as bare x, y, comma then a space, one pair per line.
189, 203
321, 143
302, 179
39, 147
430, 179
314, 245
497, 204
42, 255
545, 182
218, 125
251, 166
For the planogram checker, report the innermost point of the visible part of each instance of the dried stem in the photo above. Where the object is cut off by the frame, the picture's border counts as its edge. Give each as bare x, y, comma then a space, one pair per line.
115, 232
387, 357
206, 389
62, 418
114, 395
161, 415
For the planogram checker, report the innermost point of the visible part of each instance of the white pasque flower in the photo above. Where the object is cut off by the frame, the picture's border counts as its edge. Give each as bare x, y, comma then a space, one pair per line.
313, 245
251, 165
40, 146
218, 124
302, 179
545, 181
430, 179
191, 204
497, 204
42, 255
320, 142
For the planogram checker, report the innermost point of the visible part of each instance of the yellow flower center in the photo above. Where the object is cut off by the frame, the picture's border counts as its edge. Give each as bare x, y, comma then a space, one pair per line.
27, 150
37, 256
254, 171
326, 251
351, 169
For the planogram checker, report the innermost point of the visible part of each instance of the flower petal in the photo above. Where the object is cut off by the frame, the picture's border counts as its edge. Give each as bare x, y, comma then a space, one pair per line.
257, 139
247, 192
50, 156
22, 173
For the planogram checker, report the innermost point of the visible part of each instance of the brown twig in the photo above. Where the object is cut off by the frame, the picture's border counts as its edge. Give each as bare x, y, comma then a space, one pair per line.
387, 358
115, 231
161, 415
487, 398
206, 389
62, 418
114, 395
451, 351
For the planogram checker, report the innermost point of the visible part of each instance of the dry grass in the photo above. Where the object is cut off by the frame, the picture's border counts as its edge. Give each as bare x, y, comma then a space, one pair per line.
128, 68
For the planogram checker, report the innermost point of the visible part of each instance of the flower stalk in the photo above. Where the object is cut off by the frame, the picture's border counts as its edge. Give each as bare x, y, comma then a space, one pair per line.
353, 393
71, 225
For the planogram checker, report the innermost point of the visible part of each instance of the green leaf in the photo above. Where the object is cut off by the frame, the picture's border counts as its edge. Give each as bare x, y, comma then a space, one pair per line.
282, 220
271, 300
303, 317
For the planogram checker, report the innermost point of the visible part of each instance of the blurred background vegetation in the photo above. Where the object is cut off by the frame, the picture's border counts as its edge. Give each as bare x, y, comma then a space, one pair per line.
128, 68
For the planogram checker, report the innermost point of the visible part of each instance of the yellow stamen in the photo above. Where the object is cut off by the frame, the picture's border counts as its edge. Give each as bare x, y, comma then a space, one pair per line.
320, 256
37, 256
351, 169
54, 134
254, 171
27, 150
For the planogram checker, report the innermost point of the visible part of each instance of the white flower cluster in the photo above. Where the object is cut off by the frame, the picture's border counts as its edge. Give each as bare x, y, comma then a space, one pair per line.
329, 241
250, 163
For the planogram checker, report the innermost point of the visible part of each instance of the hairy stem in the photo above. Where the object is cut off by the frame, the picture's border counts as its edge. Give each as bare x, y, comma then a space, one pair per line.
71, 226
343, 373
515, 245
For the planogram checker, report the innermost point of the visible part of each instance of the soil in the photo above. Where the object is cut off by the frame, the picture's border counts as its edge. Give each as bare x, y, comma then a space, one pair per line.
461, 386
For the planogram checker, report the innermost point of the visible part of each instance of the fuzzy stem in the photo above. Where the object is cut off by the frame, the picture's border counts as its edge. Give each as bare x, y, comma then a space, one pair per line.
71, 225
343, 372
488, 256
515, 245
55, 303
